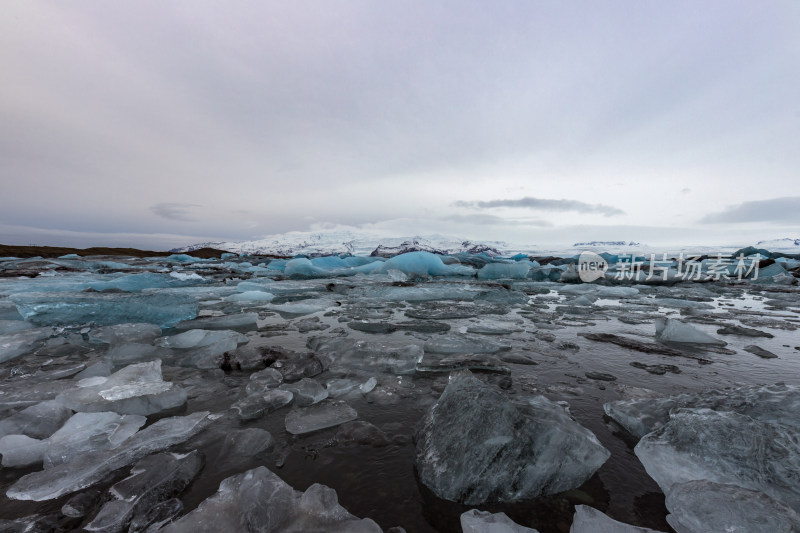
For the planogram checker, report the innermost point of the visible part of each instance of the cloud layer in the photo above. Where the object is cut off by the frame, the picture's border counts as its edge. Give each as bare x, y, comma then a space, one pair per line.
544, 204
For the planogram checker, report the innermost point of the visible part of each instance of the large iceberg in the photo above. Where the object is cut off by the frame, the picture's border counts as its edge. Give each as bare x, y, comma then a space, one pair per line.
475, 446
163, 308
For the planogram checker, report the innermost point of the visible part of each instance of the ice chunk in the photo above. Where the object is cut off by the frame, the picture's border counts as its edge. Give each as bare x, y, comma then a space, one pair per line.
13, 326
257, 405
196, 338
239, 322
505, 270
302, 307
251, 297
423, 264
671, 330
38, 421
319, 416
263, 380
86, 470
475, 521
462, 344
125, 333
154, 479
590, 520
245, 443
713, 508
20, 450
725, 448
341, 386
378, 357
136, 389
306, 392
13, 345
88, 433
260, 501
162, 308
475, 445
774, 403
124, 354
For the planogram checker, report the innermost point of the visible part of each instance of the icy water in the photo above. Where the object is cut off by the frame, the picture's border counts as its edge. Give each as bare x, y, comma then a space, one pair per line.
530, 332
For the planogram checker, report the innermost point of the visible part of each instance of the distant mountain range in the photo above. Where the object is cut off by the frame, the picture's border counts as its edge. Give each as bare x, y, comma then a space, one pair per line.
329, 242
349, 242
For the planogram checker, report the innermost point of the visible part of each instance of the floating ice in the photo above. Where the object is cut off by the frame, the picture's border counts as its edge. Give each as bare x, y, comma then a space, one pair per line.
423, 264
162, 308
476, 446
259, 501
703, 506
302, 307
257, 405
21, 450
590, 520
475, 521
13, 345
725, 448
319, 416
136, 389
251, 296
125, 333
239, 322
38, 421
774, 403
89, 433
86, 470
671, 330
505, 270
455, 344
154, 479
306, 392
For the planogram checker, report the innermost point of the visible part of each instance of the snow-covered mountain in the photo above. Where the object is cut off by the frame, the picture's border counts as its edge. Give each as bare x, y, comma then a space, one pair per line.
605, 244
357, 243
786, 245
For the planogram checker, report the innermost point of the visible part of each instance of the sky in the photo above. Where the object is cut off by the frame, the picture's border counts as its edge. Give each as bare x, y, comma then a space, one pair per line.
160, 124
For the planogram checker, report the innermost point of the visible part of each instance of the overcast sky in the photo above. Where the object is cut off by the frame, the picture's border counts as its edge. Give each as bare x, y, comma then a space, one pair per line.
158, 124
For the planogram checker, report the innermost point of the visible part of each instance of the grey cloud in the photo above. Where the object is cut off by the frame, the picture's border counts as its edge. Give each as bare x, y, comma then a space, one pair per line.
545, 204
175, 211
781, 210
491, 220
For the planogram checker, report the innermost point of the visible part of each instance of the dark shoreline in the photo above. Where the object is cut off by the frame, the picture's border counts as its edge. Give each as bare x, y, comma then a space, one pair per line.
57, 251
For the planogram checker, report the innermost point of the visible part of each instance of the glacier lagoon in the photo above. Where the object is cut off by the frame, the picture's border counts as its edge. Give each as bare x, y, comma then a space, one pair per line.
420, 391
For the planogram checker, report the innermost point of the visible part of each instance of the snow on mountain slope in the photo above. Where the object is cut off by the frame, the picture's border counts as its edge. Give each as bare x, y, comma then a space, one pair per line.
356, 243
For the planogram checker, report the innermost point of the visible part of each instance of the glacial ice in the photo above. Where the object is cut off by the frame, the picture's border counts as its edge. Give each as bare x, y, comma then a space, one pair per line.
505, 270
590, 520
475, 446
258, 404
462, 344
153, 480
141, 333
423, 264
238, 322
306, 392
136, 389
88, 433
773, 403
259, 501
706, 507
725, 448
319, 416
163, 308
21, 450
38, 421
671, 330
13, 345
475, 521
88, 469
